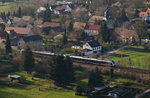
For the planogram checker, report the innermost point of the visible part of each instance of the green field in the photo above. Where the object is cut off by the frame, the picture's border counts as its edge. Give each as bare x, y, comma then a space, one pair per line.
30, 89
133, 56
7, 7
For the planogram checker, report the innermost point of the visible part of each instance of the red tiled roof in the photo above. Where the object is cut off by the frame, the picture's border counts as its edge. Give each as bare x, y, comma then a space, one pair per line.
143, 14
49, 24
19, 30
60, 8
92, 27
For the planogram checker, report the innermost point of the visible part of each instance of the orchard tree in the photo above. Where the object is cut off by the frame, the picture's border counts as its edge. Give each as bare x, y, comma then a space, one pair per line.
28, 59
19, 14
8, 45
141, 29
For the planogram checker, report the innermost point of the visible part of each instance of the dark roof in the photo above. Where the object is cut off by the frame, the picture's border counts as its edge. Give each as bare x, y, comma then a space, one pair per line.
32, 38
94, 43
118, 91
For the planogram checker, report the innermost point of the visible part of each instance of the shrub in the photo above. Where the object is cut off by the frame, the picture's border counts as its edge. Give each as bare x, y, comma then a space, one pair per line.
78, 90
146, 46
14, 82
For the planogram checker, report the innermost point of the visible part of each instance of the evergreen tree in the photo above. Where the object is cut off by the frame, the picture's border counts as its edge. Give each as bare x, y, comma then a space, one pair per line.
60, 71
28, 59
95, 79
65, 38
98, 77
83, 35
105, 33
70, 27
91, 80
8, 45
19, 14
69, 69
14, 13
8, 14
123, 17
47, 14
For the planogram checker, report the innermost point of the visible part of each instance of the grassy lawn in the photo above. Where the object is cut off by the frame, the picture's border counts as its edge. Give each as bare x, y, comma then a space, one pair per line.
132, 56
7, 7
30, 89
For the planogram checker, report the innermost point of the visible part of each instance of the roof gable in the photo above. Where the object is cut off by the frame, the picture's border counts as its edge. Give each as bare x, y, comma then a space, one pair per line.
94, 43
19, 30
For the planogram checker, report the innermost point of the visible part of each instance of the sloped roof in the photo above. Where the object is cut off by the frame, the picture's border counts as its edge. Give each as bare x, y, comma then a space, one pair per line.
49, 24
80, 9
60, 8
19, 30
125, 32
143, 14
94, 43
93, 18
79, 25
92, 27
32, 38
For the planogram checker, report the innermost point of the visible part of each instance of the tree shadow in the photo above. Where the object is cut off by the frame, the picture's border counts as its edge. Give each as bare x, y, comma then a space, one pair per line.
119, 55
8, 95
138, 49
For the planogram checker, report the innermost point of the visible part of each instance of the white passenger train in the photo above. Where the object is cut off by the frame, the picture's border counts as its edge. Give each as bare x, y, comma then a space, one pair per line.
79, 59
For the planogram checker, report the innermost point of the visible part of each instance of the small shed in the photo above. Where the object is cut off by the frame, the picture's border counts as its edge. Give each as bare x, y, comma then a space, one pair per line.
14, 77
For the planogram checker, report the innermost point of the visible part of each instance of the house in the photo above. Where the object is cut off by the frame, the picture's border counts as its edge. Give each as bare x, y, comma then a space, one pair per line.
38, 22
90, 47
16, 22
35, 42
79, 26
125, 35
46, 27
40, 11
62, 9
92, 30
20, 31
145, 15
80, 9
63, 2
117, 93
96, 18
28, 19
59, 10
